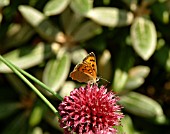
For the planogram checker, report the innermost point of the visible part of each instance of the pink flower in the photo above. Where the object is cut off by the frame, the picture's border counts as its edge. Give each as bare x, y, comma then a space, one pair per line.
90, 110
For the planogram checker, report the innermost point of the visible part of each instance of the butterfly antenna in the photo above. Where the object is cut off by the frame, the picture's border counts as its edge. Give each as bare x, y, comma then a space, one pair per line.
104, 79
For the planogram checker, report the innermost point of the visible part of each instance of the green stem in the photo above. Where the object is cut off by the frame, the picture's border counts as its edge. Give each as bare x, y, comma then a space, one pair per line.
37, 81
30, 85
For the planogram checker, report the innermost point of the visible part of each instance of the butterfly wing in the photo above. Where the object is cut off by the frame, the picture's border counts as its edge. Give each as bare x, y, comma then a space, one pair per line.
91, 59
86, 71
83, 73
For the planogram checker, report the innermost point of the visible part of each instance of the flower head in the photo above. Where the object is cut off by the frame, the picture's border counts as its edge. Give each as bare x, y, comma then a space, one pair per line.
90, 110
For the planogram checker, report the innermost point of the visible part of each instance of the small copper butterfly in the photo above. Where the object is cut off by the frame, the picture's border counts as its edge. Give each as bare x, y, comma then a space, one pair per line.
86, 71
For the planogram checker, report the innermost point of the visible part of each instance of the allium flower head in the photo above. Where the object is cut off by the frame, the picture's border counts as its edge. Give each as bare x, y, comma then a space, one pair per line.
90, 110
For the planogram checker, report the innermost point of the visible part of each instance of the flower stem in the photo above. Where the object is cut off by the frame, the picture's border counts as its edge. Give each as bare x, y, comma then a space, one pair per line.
30, 85
37, 81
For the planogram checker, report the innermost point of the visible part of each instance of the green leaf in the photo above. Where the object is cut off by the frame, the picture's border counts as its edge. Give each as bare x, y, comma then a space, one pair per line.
1, 17
8, 108
124, 61
142, 106
25, 57
18, 35
137, 77
54, 7
126, 126
78, 55
143, 34
70, 21
37, 130
4, 3
56, 72
133, 83
111, 17
86, 31
36, 116
162, 56
119, 80
139, 71
104, 63
67, 88
81, 6
39, 21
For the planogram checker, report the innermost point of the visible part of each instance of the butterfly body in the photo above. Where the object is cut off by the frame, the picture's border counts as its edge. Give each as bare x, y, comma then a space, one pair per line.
86, 71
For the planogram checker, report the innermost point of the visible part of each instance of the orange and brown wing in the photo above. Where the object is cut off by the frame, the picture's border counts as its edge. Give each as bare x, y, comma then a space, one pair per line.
86, 71
91, 59
83, 73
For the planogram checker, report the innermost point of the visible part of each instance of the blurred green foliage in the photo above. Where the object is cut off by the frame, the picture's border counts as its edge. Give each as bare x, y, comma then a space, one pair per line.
131, 40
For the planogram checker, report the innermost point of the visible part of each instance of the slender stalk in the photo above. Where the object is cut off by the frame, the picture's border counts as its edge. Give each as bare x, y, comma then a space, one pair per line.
30, 85
37, 81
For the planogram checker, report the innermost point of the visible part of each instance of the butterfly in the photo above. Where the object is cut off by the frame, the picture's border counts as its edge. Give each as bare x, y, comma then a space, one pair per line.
86, 71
